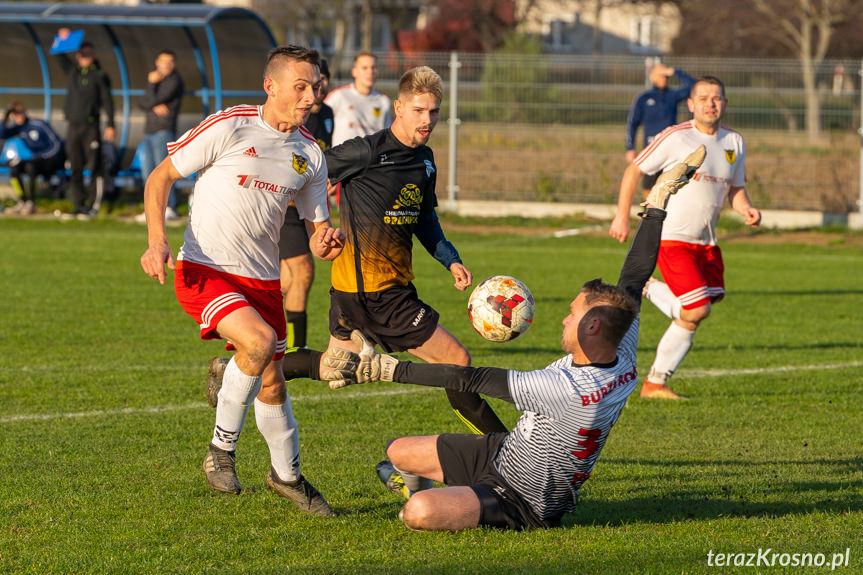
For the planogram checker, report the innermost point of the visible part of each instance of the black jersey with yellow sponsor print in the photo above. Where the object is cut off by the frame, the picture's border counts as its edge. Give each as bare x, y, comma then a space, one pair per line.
387, 196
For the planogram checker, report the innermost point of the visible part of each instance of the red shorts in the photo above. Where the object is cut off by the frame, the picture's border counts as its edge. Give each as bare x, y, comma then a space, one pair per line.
209, 295
693, 272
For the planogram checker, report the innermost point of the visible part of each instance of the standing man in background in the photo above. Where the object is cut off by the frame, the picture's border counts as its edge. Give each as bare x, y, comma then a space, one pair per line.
689, 258
359, 109
654, 110
88, 93
162, 104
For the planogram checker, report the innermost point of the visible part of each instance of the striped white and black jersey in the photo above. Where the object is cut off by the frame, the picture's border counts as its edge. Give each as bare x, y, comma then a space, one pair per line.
569, 411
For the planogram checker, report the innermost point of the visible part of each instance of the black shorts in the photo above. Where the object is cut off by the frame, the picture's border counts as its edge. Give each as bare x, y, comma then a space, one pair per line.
395, 318
468, 460
647, 181
294, 238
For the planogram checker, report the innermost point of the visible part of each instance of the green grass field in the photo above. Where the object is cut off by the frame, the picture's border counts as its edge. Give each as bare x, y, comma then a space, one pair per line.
104, 423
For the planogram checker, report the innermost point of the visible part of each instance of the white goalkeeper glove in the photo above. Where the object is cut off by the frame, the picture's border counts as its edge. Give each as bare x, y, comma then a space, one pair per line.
342, 366
373, 366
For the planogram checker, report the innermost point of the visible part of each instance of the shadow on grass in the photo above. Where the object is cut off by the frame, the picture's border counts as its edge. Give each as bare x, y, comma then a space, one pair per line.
819, 292
726, 497
771, 347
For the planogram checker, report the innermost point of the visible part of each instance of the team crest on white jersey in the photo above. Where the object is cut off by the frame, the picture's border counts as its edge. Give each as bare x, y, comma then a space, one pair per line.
429, 168
300, 163
730, 156
377, 112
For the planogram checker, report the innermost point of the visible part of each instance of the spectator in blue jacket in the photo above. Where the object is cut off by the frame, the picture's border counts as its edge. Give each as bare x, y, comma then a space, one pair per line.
46, 154
654, 110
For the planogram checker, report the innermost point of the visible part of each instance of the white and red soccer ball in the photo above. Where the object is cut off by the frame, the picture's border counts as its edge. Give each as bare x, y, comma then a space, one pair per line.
501, 308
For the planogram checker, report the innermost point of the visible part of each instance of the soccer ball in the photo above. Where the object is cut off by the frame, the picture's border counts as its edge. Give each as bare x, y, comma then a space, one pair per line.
500, 308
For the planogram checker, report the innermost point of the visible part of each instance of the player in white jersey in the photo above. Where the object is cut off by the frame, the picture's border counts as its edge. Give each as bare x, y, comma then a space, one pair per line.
251, 162
531, 476
689, 258
359, 109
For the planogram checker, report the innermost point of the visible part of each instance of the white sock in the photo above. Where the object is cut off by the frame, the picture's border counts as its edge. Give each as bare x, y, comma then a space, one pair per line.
278, 426
660, 295
670, 352
235, 398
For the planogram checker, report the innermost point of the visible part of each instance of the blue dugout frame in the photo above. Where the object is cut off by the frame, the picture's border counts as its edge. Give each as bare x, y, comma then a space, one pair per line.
184, 17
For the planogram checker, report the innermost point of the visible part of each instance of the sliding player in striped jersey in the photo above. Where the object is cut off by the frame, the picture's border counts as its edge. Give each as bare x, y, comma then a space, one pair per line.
689, 259
252, 161
530, 476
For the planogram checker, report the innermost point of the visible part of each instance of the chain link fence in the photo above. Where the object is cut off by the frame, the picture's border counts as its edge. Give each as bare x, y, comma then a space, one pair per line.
550, 128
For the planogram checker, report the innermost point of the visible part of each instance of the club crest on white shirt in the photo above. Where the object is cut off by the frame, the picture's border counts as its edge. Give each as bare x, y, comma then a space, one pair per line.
730, 156
300, 163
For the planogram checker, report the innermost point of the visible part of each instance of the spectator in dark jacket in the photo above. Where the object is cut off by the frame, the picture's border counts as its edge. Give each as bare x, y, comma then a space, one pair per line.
654, 110
46, 154
88, 93
162, 103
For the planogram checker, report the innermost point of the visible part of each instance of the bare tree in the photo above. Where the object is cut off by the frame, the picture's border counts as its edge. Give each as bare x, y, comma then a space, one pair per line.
805, 28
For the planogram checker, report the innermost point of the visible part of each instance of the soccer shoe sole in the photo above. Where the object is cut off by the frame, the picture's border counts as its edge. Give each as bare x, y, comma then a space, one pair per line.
215, 373
678, 176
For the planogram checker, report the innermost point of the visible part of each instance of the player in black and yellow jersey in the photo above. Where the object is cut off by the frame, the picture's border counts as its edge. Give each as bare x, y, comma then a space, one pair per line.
387, 184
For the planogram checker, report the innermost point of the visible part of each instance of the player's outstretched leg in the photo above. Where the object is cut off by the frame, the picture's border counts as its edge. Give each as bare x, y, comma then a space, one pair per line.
675, 178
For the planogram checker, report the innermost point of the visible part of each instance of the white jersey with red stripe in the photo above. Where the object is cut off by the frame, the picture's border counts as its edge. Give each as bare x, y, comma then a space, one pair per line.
694, 211
356, 114
248, 173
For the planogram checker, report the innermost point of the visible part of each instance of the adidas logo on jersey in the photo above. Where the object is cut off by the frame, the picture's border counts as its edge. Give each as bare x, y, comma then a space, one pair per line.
251, 152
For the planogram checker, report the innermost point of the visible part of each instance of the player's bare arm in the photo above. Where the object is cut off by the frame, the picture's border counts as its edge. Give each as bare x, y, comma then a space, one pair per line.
156, 192
462, 275
325, 241
619, 229
740, 203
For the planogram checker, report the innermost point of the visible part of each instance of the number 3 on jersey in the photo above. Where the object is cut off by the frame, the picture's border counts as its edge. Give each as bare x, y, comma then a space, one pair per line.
590, 444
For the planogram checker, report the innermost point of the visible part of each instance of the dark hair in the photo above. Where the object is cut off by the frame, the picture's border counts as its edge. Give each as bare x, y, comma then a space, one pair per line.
712, 80
325, 69
167, 53
17, 107
86, 44
292, 53
615, 310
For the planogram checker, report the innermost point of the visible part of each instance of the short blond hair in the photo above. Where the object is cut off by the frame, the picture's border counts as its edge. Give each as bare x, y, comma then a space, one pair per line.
421, 80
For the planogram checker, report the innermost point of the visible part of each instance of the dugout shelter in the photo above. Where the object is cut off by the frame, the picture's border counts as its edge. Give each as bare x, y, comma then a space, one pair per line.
220, 54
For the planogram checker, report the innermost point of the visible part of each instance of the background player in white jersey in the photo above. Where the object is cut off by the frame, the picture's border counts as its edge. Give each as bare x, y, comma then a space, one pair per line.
531, 476
251, 162
689, 259
358, 108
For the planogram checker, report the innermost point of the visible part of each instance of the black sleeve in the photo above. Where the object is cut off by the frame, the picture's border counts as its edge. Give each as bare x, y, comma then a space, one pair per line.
347, 159
641, 259
430, 235
491, 381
